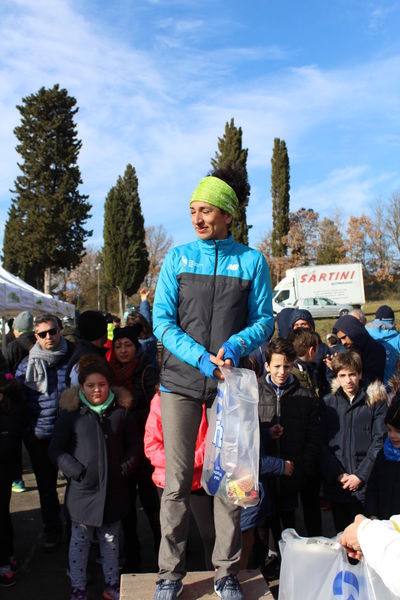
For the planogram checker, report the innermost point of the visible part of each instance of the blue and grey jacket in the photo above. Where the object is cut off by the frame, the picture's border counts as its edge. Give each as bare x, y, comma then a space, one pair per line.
209, 292
387, 334
43, 408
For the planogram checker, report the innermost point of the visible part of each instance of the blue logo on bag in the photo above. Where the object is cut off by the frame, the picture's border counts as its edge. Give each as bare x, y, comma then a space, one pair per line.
346, 582
218, 434
216, 477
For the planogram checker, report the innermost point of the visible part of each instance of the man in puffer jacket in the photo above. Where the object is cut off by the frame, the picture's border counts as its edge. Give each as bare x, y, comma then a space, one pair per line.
212, 307
42, 374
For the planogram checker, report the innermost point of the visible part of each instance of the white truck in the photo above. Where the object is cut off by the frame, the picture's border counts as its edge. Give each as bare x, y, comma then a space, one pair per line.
342, 284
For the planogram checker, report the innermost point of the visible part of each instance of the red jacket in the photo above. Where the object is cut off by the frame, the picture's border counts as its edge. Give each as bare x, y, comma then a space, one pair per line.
154, 445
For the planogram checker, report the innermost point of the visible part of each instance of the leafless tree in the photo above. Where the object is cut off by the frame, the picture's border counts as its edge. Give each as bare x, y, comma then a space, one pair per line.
158, 243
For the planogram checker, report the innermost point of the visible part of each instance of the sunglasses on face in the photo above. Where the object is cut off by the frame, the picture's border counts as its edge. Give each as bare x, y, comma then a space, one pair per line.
51, 332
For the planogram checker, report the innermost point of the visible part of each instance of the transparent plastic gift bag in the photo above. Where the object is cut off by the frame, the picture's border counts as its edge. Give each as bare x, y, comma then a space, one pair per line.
231, 458
318, 569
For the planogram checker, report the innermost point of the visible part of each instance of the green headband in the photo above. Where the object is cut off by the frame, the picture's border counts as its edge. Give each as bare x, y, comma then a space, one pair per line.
216, 192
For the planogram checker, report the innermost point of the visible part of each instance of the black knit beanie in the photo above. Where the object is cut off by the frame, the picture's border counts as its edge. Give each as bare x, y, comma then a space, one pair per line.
393, 413
127, 332
92, 325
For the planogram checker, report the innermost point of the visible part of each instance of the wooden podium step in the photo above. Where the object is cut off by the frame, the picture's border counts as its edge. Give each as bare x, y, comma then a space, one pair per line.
197, 585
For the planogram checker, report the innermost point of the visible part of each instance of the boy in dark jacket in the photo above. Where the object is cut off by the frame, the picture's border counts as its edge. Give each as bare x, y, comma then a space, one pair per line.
306, 345
382, 498
294, 430
353, 429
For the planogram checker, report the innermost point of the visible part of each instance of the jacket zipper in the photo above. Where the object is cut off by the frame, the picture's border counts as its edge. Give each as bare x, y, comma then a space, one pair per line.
212, 305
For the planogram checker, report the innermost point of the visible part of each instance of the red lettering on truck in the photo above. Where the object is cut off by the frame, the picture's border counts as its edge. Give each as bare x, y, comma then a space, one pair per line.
331, 276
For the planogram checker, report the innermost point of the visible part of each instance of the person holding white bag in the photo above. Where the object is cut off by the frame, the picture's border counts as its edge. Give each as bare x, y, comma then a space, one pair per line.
212, 307
379, 543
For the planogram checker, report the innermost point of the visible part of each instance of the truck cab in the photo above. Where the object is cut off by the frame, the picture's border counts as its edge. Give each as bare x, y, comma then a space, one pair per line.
284, 294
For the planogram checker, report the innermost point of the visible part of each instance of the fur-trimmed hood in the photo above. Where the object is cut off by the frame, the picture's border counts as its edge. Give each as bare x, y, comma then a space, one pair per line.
394, 383
375, 392
70, 399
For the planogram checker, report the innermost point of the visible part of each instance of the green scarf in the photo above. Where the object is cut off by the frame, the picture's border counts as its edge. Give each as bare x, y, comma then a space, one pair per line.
100, 407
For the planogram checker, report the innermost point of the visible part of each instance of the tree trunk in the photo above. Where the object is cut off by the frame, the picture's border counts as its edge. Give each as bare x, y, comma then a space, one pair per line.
121, 297
47, 281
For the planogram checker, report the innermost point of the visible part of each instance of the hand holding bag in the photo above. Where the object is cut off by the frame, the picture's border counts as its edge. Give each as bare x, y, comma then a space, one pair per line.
318, 569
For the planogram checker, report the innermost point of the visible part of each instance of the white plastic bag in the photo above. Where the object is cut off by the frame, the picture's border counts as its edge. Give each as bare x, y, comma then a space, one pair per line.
317, 569
232, 450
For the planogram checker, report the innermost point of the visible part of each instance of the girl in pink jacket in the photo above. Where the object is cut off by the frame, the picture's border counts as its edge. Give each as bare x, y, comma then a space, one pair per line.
200, 503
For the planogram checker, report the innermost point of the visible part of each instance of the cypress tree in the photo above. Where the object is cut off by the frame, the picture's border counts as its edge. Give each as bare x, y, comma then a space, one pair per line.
125, 254
45, 226
229, 164
280, 197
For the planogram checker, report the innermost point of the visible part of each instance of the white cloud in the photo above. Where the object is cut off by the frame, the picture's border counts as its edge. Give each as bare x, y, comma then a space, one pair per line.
351, 191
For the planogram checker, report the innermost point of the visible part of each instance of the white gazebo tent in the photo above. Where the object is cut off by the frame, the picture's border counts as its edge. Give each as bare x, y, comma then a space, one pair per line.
17, 295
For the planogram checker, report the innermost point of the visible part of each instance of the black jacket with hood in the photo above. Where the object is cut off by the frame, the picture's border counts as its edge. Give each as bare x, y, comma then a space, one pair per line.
96, 453
18, 349
372, 353
352, 435
14, 419
84, 348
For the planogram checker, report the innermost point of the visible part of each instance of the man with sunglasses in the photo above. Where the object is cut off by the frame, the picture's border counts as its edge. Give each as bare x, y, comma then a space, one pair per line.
42, 374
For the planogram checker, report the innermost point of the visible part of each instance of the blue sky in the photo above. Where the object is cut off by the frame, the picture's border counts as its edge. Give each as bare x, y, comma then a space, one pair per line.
156, 80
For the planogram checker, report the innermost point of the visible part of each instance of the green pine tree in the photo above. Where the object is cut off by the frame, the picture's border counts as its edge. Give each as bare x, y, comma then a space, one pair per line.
280, 197
125, 254
330, 248
45, 226
229, 164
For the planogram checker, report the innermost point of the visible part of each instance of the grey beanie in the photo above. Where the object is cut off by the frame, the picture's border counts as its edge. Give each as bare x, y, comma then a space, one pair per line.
23, 322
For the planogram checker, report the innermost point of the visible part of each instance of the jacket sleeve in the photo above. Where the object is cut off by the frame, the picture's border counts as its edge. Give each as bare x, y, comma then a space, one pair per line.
371, 494
378, 430
153, 440
374, 366
271, 465
380, 544
331, 467
132, 444
165, 317
312, 450
21, 370
150, 379
8, 362
59, 448
144, 310
260, 318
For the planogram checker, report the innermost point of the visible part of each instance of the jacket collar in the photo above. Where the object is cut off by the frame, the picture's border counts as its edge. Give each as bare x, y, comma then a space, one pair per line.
359, 397
224, 246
